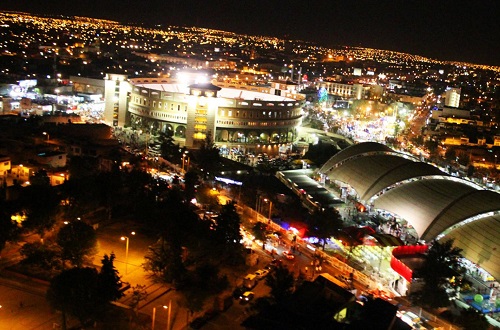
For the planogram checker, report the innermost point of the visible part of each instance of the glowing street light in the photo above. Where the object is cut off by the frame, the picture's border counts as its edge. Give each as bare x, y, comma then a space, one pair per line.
184, 155
126, 239
270, 209
154, 315
48, 136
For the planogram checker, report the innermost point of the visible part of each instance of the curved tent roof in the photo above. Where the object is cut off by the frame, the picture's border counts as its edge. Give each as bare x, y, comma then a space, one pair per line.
480, 243
354, 150
373, 173
433, 202
421, 202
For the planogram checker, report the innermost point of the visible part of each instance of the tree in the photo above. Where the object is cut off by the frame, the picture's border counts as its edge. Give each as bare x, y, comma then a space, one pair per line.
203, 282
7, 229
76, 292
281, 282
439, 264
40, 203
208, 156
78, 241
208, 197
169, 150
139, 293
109, 279
464, 158
164, 262
46, 256
471, 170
190, 181
450, 154
260, 231
432, 146
325, 223
228, 232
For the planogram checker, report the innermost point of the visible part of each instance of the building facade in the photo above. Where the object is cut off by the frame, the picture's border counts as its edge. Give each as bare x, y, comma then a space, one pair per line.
346, 91
252, 118
452, 97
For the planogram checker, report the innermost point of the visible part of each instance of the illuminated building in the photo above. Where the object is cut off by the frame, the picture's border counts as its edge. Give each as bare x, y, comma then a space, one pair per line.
347, 91
452, 97
249, 118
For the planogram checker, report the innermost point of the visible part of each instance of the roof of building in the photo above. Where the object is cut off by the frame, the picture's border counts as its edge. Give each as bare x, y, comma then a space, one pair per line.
437, 205
230, 93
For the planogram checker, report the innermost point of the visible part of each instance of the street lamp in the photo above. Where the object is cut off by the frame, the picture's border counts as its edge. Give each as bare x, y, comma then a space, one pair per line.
48, 136
184, 155
169, 308
270, 209
126, 239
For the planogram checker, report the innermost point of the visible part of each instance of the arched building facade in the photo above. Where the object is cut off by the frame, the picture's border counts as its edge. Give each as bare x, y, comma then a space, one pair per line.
260, 119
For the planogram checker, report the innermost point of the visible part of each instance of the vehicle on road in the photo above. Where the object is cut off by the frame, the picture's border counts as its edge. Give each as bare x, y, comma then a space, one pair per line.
250, 281
247, 296
288, 255
238, 291
261, 273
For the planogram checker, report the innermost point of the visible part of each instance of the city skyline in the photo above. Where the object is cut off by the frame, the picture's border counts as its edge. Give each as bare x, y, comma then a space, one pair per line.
437, 29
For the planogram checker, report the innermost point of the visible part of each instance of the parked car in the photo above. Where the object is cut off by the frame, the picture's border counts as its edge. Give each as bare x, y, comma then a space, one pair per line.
247, 296
250, 281
238, 291
261, 273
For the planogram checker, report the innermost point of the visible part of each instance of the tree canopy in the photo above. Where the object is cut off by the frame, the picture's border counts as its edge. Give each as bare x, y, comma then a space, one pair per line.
281, 282
441, 263
76, 291
78, 241
109, 279
228, 233
325, 223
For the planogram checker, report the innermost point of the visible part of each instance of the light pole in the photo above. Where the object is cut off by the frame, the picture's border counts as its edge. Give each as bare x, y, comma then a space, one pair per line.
270, 209
154, 315
48, 136
126, 239
169, 313
184, 155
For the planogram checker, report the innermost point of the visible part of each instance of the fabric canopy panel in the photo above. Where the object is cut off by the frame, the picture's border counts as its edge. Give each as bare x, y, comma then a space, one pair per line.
432, 201
371, 174
354, 150
420, 202
469, 205
480, 242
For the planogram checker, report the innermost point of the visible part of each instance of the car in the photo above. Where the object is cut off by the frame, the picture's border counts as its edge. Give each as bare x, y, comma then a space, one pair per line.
275, 263
261, 273
288, 255
270, 267
238, 291
247, 296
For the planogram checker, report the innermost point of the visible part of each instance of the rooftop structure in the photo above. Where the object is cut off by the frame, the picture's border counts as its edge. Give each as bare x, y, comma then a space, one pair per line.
437, 205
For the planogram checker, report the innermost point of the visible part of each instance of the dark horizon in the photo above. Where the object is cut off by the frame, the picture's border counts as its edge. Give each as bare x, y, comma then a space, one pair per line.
438, 29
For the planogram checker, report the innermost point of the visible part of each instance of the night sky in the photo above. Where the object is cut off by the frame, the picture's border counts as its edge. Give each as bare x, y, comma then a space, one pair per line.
445, 30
